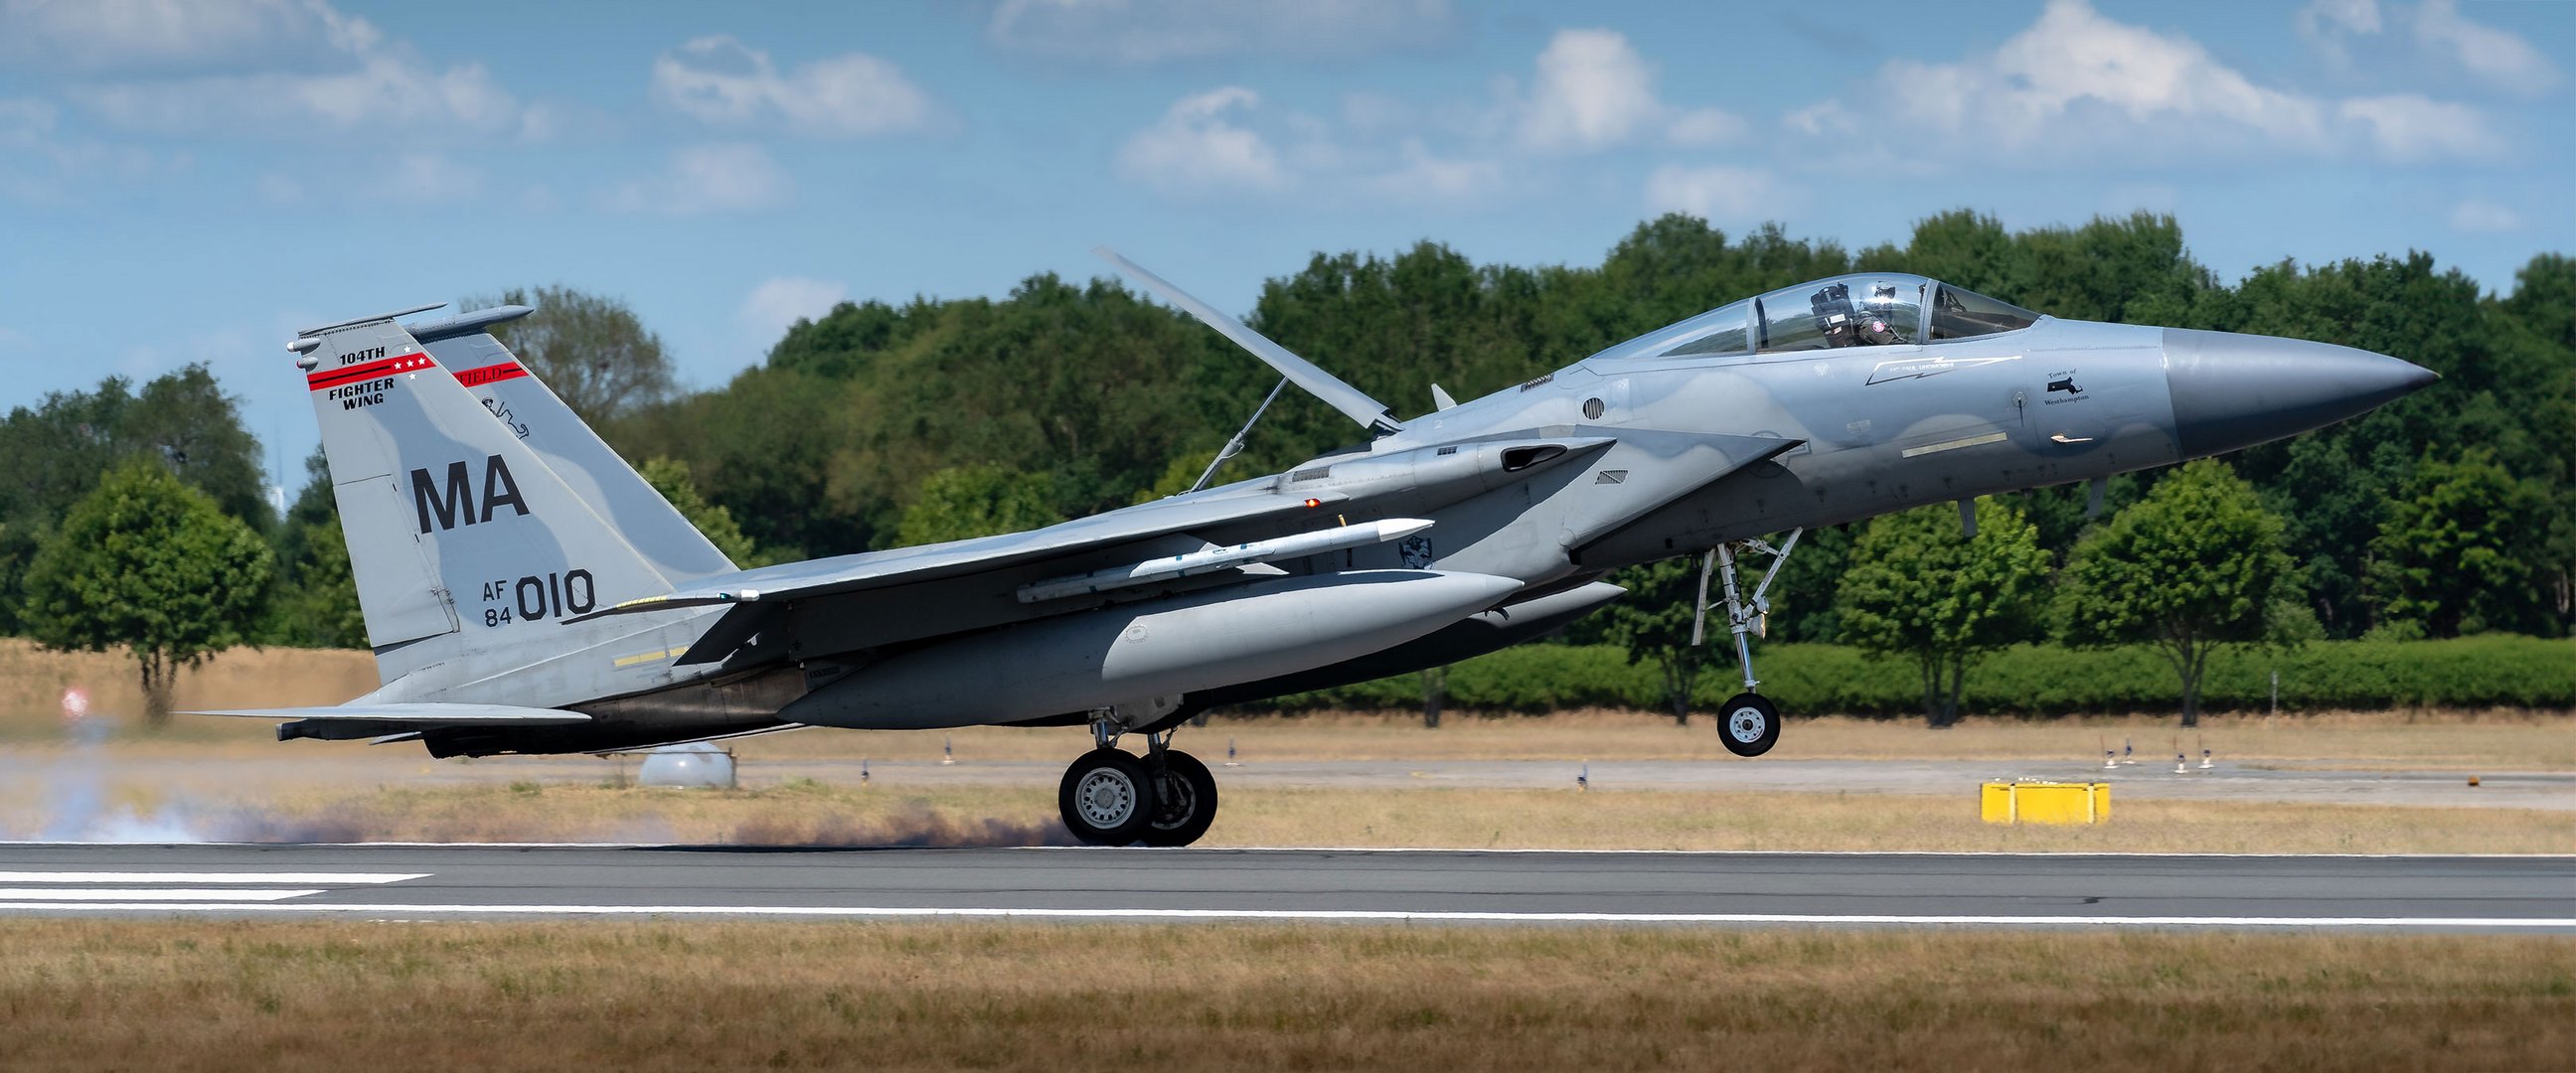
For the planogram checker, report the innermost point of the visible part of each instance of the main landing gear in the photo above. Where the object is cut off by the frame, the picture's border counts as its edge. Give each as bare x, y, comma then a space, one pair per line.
1748, 723
1111, 797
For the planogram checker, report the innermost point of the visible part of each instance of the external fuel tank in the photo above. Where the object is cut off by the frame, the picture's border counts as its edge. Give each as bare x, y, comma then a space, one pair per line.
1132, 654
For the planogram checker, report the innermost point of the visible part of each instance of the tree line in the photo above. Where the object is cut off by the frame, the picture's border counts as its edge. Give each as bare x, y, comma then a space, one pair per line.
2450, 512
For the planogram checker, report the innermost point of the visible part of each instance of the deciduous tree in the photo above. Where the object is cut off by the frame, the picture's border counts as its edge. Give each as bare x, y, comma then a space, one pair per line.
671, 478
1921, 588
591, 349
973, 501
2196, 564
148, 564
2456, 551
1653, 624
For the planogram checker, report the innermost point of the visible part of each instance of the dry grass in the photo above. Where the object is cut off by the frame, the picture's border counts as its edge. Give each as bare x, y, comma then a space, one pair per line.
32, 682
803, 812
192, 995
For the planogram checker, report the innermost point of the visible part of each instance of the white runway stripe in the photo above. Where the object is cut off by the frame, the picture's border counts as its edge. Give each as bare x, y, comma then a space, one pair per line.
827, 912
210, 877
119, 895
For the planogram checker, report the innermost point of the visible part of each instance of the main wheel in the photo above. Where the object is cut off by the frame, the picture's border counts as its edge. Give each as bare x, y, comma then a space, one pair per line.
1107, 798
1184, 801
1748, 724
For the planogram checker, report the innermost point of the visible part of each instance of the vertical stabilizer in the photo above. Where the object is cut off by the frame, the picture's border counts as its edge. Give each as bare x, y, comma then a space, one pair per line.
466, 546
506, 387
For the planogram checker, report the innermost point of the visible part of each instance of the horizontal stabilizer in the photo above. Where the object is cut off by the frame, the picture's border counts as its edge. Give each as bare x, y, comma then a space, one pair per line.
421, 714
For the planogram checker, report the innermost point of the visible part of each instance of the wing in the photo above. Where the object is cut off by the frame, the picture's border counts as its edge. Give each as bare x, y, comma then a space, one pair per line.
1254, 506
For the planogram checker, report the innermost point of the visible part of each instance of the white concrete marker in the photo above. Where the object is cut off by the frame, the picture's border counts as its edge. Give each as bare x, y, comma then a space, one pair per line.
297, 878
153, 894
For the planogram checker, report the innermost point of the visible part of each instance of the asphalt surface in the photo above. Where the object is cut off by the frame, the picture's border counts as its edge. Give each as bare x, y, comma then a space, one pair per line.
2500, 894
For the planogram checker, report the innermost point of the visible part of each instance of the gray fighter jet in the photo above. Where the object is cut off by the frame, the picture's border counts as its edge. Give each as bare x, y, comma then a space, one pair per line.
526, 592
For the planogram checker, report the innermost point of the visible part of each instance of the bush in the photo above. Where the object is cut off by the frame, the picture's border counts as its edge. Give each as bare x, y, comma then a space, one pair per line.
2495, 670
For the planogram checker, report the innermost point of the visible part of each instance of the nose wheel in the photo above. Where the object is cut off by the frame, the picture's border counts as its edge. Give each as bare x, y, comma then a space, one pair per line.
1748, 724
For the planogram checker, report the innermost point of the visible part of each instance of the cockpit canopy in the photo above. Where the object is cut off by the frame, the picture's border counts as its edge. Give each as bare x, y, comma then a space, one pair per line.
1864, 309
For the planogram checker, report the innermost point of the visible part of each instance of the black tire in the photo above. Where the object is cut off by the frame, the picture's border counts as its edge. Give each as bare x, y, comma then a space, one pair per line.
1748, 724
1184, 801
1107, 798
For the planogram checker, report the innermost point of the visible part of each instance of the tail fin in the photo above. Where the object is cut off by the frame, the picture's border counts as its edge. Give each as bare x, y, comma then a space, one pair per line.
604, 481
463, 541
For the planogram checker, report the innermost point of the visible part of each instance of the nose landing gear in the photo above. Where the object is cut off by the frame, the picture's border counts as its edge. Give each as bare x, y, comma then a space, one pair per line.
1111, 797
1748, 724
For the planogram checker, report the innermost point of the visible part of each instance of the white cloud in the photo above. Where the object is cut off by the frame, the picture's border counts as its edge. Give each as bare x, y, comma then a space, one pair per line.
2325, 23
426, 179
2077, 89
274, 68
2413, 129
1593, 91
171, 36
1155, 31
386, 94
40, 164
1720, 194
1196, 149
721, 81
1428, 178
2484, 216
1705, 126
776, 304
714, 178
2075, 60
303, 69
2492, 55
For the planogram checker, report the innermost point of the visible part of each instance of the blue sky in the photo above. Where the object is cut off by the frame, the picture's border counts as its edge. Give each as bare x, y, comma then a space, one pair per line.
196, 179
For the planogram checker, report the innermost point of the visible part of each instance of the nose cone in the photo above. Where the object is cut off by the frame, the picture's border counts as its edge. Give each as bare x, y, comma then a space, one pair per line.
2232, 391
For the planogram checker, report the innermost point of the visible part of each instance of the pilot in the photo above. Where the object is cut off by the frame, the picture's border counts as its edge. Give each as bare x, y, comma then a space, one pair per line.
1878, 317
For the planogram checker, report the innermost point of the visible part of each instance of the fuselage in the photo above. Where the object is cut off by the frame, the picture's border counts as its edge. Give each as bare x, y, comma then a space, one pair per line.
1643, 452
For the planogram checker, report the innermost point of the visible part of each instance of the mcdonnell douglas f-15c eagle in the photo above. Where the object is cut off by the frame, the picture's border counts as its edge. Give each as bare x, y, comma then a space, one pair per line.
525, 591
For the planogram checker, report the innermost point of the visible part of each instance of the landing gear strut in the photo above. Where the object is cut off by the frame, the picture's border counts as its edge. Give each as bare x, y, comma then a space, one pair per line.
1111, 797
1748, 724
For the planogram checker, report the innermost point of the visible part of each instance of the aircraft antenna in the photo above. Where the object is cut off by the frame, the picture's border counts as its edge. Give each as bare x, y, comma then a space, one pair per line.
1234, 446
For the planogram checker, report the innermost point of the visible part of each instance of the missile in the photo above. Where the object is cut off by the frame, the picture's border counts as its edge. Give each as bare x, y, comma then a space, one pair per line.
1211, 560
1137, 652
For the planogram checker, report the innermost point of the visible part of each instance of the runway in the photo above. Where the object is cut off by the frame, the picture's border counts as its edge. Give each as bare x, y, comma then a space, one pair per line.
415, 882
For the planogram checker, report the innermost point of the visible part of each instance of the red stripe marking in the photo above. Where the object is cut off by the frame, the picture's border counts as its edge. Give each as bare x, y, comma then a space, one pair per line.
508, 370
350, 374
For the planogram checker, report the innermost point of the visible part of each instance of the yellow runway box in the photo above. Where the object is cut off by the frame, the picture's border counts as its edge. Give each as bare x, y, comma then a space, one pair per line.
2046, 802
